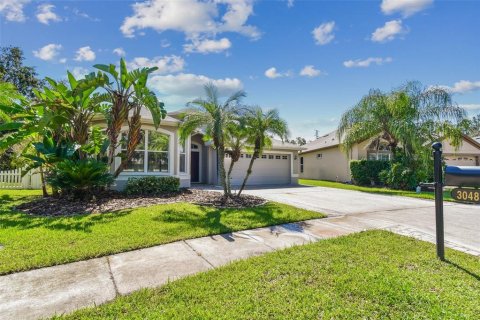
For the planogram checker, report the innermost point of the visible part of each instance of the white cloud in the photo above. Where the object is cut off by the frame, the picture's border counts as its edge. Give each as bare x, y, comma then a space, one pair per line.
388, 32
404, 7
84, 15
310, 71
119, 52
12, 10
80, 72
85, 54
471, 107
359, 63
323, 34
48, 52
45, 13
290, 3
165, 64
181, 88
272, 73
463, 86
63, 60
192, 17
165, 43
208, 46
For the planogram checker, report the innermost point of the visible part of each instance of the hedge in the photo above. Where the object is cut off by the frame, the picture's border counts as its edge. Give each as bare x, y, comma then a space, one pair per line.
152, 185
364, 172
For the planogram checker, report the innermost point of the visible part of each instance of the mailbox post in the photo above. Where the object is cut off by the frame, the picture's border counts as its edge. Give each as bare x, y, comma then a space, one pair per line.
437, 164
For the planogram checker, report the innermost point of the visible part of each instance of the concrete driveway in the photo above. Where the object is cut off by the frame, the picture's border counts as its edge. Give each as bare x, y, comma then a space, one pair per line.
409, 216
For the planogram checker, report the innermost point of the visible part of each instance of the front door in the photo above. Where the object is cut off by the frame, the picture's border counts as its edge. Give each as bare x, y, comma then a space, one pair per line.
195, 167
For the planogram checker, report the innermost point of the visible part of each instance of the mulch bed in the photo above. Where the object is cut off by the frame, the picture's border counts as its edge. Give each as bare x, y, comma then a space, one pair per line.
112, 201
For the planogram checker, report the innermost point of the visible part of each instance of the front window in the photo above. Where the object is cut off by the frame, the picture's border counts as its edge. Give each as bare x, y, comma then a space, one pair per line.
137, 163
182, 158
151, 154
381, 156
157, 151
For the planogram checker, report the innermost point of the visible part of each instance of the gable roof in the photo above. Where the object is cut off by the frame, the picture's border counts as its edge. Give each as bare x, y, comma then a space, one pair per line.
280, 145
146, 115
474, 141
326, 141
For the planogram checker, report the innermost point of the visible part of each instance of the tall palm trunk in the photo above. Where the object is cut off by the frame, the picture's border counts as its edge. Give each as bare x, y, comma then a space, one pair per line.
256, 153
229, 174
221, 168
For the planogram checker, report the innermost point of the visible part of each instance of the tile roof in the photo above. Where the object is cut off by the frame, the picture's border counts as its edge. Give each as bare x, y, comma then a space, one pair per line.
325, 141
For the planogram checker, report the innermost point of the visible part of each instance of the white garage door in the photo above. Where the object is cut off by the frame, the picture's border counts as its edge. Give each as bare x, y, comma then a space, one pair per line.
461, 161
270, 169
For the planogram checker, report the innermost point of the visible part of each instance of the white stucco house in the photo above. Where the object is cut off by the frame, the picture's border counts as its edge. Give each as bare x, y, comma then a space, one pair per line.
161, 154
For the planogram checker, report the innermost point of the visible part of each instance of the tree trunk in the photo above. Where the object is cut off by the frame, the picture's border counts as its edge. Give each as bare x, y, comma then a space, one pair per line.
134, 136
249, 172
229, 173
118, 116
44, 184
221, 168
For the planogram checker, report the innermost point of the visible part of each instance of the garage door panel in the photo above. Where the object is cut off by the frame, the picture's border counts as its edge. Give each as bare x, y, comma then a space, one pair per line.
264, 171
461, 161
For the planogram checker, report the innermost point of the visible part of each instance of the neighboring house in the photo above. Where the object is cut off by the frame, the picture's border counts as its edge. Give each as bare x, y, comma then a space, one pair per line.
161, 154
324, 159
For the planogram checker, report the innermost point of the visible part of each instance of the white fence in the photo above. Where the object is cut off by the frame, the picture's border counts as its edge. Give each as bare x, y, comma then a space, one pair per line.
12, 179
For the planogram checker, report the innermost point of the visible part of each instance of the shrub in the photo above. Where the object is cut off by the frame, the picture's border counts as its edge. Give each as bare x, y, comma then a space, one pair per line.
152, 185
399, 177
80, 178
366, 172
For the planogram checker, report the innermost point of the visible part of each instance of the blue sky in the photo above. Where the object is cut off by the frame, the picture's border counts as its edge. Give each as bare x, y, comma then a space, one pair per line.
310, 59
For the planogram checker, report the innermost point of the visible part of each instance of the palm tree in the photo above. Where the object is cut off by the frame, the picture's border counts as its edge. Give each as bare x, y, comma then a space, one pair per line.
236, 138
408, 118
213, 117
261, 126
126, 94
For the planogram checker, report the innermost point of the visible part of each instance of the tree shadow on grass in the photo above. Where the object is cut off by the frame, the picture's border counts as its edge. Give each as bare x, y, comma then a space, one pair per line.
218, 221
5, 199
476, 276
82, 222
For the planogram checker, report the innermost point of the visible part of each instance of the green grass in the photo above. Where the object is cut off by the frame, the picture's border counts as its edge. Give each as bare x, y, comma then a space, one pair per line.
33, 242
386, 191
369, 275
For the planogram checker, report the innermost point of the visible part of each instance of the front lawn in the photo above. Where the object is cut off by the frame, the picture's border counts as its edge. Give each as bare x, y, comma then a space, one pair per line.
386, 191
32, 242
369, 275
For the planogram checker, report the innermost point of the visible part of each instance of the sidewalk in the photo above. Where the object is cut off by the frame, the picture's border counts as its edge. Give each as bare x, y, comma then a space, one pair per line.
61, 289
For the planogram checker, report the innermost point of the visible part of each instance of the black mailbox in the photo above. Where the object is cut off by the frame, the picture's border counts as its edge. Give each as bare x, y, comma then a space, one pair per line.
462, 176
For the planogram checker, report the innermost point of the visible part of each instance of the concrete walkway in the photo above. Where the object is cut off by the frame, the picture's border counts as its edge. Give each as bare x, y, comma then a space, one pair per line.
61, 289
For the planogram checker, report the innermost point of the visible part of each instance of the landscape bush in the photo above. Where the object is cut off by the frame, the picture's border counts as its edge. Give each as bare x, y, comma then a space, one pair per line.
366, 172
152, 185
79, 178
406, 173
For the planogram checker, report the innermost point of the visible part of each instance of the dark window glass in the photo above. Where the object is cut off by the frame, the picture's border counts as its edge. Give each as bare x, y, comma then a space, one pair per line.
137, 162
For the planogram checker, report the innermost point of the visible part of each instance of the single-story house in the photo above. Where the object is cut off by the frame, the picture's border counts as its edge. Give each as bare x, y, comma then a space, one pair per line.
161, 154
324, 159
